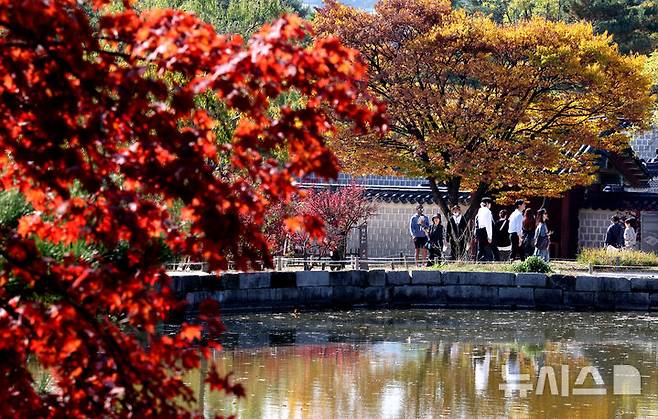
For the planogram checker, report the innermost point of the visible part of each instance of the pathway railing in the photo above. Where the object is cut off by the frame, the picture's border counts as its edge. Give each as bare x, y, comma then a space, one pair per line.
405, 262
187, 266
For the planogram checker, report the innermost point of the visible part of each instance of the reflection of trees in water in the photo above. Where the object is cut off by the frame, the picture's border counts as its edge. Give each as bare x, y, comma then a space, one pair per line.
437, 379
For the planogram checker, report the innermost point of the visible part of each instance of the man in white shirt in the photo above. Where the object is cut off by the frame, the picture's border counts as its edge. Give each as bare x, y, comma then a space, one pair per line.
516, 229
484, 231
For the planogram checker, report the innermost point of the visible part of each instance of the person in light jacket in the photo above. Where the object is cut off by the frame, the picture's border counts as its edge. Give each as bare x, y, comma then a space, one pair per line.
630, 237
419, 225
484, 231
516, 230
542, 237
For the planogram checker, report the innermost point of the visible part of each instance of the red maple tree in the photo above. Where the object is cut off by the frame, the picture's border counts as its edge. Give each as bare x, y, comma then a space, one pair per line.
340, 211
106, 106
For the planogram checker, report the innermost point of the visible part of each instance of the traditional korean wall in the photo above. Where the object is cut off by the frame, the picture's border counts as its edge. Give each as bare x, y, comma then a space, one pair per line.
388, 230
645, 144
593, 225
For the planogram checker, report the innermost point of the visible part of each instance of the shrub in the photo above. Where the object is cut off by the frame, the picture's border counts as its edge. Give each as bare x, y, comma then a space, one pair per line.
620, 258
532, 264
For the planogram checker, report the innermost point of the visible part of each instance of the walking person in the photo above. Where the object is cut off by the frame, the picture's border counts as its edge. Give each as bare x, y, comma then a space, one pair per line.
630, 236
516, 230
456, 229
501, 236
435, 240
418, 226
528, 233
542, 237
484, 231
614, 236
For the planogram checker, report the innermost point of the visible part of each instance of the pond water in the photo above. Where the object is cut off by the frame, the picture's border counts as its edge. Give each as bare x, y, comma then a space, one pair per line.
436, 363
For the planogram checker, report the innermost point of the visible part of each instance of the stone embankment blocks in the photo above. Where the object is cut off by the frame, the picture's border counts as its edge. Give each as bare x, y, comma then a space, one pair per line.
249, 280
410, 294
479, 278
532, 280
312, 279
348, 278
471, 295
398, 278
516, 297
426, 278
377, 278
379, 288
644, 284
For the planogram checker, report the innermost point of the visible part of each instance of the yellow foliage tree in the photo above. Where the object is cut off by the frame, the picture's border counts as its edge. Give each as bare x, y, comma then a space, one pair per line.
474, 105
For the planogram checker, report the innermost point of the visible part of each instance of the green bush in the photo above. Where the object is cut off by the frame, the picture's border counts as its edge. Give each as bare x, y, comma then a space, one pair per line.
600, 257
532, 264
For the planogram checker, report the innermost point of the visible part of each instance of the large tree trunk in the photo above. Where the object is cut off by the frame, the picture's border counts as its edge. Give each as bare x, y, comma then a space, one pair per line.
451, 198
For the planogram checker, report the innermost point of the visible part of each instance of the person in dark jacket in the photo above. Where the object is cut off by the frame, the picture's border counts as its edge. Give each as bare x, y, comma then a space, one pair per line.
456, 228
528, 237
615, 235
501, 234
436, 240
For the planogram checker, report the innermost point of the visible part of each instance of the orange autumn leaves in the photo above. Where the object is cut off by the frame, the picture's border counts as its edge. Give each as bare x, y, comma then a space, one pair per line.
107, 107
472, 103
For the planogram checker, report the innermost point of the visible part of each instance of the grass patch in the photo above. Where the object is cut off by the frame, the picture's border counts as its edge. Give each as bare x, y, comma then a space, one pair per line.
474, 267
598, 257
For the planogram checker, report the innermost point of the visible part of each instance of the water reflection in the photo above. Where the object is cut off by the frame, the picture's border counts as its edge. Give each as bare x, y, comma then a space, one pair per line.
422, 364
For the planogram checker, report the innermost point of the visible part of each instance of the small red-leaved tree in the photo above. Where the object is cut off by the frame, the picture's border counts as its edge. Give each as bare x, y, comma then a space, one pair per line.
341, 211
106, 107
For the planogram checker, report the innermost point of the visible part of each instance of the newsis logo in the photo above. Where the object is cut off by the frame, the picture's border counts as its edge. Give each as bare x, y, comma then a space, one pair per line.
626, 380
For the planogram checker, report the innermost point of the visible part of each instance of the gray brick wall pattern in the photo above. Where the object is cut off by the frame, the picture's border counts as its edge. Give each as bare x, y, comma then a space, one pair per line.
592, 227
645, 144
388, 230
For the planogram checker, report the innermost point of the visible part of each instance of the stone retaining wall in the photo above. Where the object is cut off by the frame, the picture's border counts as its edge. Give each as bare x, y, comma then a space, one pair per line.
422, 288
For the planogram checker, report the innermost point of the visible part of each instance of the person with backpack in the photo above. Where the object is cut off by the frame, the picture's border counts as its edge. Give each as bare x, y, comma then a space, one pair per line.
542, 237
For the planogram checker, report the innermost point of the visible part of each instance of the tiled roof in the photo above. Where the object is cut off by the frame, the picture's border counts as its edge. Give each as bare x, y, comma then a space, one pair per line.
624, 200
370, 180
399, 189
387, 189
